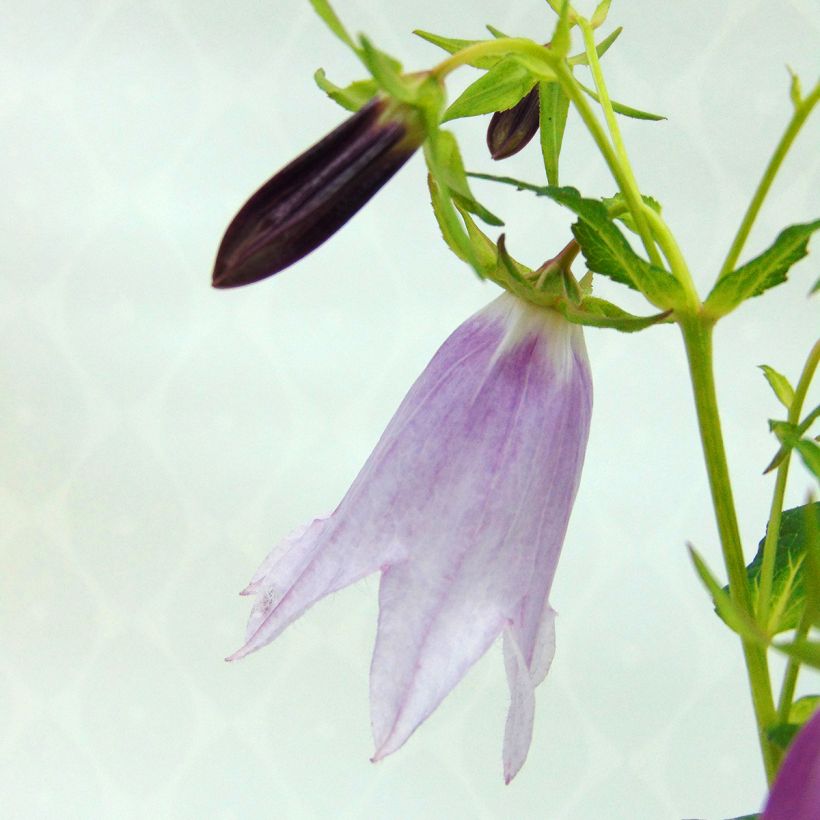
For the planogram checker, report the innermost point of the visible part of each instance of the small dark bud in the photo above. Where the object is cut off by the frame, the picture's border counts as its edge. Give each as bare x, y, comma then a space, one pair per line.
317, 193
511, 130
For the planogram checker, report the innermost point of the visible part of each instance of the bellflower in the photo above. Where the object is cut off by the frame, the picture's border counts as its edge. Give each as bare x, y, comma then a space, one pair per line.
795, 794
462, 507
312, 197
510, 130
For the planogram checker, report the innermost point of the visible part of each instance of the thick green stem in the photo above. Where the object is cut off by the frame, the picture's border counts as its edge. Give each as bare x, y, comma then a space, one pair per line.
697, 337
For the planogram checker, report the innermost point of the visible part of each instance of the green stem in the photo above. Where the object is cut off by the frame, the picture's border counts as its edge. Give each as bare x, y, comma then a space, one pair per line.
674, 256
800, 115
784, 705
776, 510
492, 48
697, 337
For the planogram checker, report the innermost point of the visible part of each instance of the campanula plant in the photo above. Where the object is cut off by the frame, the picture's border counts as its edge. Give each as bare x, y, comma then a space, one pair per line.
463, 505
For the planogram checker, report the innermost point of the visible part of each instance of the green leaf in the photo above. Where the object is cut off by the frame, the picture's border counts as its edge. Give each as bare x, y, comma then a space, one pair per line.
518, 184
805, 651
788, 582
353, 97
789, 434
734, 617
601, 48
799, 714
607, 251
780, 384
325, 11
451, 170
453, 44
451, 227
618, 209
809, 452
561, 40
553, 109
599, 15
499, 89
763, 272
497, 33
625, 110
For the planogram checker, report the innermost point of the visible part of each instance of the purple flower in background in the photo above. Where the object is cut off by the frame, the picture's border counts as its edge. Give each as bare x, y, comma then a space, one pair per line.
462, 507
312, 197
795, 794
510, 130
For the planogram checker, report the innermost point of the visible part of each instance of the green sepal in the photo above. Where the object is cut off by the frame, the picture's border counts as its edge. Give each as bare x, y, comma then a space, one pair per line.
387, 73
331, 19
779, 384
601, 48
732, 615
594, 312
505, 84
496, 32
788, 595
451, 171
624, 110
352, 97
763, 272
553, 110
607, 251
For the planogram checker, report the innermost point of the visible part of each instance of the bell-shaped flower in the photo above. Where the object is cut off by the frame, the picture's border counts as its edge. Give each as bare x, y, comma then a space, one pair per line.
312, 197
462, 507
795, 794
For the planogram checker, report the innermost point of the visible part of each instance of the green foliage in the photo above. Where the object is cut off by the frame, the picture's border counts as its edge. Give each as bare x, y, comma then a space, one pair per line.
788, 597
625, 110
763, 272
594, 312
780, 384
453, 44
500, 88
607, 251
801, 710
601, 48
791, 437
325, 11
451, 172
553, 110
617, 207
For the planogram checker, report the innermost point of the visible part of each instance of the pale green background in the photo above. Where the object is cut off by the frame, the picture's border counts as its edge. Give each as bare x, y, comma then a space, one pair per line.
158, 437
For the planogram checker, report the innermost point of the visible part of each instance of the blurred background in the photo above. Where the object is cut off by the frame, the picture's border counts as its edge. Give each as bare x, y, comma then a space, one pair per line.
158, 437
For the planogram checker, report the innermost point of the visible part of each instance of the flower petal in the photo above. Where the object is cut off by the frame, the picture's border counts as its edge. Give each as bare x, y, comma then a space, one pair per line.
795, 794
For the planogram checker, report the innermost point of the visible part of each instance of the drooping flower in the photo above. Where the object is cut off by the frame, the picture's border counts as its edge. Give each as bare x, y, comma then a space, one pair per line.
312, 197
462, 507
795, 794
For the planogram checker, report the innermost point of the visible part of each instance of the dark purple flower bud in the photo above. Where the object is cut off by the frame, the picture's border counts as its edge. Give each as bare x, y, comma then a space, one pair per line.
310, 199
511, 130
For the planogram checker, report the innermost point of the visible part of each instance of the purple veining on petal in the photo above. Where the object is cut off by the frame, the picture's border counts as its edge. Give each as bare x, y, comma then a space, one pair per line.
795, 794
463, 506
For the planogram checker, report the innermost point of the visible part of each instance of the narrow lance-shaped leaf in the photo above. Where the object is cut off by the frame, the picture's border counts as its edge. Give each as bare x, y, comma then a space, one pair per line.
763, 272
326, 12
554, 107
454, 44
601, 48
500, 88
625, 110
779, 384
809, 452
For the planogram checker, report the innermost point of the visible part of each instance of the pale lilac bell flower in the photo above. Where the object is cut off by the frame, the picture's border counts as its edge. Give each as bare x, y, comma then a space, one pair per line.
795, 794
462, 506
